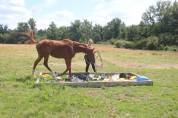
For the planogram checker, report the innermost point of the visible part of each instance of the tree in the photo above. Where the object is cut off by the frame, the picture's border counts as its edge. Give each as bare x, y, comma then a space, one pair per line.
107, 34
23, 27
162, 20
41, 34
123, 31
170, 21
133, 33
74, 30
97, 33
4, 33
3, 29
62, 32
144, 30
114, 29
156, 13
85, 30
32, 24
52, 31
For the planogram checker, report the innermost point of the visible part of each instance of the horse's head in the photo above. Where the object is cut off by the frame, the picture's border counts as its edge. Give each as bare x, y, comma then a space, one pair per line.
80, 47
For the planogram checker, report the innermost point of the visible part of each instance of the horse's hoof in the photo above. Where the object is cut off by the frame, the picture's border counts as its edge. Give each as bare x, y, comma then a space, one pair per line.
33, 72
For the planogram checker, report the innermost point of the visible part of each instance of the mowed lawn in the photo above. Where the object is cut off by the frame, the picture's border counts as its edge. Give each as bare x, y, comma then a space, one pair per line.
20, 99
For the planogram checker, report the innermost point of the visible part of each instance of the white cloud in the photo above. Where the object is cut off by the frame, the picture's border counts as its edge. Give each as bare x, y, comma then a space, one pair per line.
12, 12
61, 18
129, 11
125, 10
17, 2
45, 11
12, 2
43, 4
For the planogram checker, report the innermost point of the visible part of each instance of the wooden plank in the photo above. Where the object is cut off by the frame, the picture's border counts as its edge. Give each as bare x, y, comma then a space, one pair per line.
99, 84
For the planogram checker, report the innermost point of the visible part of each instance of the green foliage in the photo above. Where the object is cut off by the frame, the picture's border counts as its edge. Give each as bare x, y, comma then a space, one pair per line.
133, 33
41, 34
163, 21
97, 33
74, 30
124, 44
167, 39
85, 30
32, 24
114, 29
23, 27
52, 32
156, 13
62, 32
107, 34
4, 33
113, 41
171, 48
150, 43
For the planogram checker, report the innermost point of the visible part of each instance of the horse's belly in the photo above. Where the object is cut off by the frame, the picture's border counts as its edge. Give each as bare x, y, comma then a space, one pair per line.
58, 56
61, 52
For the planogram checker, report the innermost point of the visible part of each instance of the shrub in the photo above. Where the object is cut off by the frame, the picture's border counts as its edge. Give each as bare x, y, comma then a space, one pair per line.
124, 44
1, 38
141, 44
112, 41
150, 43
167, 39
171, 48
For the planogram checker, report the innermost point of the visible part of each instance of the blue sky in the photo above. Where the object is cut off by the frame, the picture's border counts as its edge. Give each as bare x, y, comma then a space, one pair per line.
63, 12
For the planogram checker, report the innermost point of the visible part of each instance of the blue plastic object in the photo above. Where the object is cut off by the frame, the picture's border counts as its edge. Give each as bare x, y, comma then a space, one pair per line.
142, 78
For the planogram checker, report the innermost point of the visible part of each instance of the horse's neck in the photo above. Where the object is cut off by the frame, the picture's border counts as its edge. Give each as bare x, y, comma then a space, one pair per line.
79, 49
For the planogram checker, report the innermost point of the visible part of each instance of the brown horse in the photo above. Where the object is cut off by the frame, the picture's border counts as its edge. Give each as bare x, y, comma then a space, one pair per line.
61, 49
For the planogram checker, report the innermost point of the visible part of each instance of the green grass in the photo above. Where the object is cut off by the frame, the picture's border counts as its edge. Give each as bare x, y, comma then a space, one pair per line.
20, 98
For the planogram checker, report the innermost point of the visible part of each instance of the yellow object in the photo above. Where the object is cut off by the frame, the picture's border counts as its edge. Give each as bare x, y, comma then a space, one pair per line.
46, 76
122, 78
132, 77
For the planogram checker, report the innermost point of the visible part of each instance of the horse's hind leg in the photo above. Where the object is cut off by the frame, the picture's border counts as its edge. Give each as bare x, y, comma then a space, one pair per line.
68, 64
68, 67
36, 62
46, 63
65, 69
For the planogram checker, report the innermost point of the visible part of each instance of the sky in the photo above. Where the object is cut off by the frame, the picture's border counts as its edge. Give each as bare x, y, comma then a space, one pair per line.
63, 12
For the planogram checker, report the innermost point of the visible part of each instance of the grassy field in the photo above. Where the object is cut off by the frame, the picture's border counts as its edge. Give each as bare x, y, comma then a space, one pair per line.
19, 98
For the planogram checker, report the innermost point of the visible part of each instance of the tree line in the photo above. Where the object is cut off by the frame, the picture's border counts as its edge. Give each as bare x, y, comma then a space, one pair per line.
158, 30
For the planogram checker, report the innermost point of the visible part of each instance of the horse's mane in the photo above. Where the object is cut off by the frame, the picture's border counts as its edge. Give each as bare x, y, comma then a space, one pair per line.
74, 43
80, 47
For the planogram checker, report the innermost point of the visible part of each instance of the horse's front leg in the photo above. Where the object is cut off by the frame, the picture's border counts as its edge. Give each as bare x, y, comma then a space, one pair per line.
68, 65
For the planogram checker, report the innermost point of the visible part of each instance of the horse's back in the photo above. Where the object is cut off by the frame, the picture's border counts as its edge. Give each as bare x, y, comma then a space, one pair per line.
55, 48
